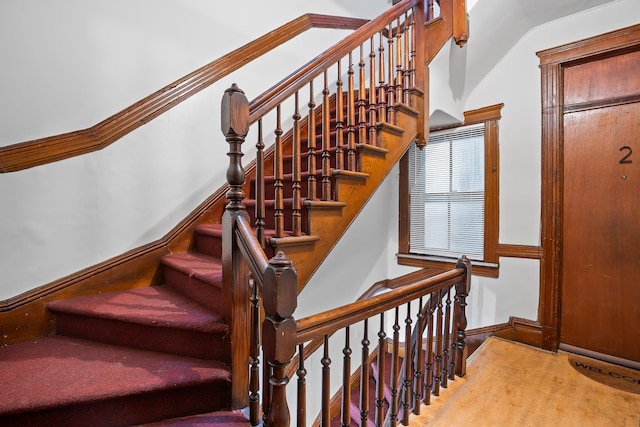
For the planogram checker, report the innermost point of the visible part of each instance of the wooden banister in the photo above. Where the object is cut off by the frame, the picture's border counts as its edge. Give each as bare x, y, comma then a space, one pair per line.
425, 353
300, 78
330, 321
396, 86
251, 249
59, 147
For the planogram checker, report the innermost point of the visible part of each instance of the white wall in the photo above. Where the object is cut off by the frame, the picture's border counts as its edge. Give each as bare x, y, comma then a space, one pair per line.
69, 64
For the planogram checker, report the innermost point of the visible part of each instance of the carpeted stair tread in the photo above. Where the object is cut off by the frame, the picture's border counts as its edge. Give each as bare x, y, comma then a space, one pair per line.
52, 372
198, 265
158, 306
222, 418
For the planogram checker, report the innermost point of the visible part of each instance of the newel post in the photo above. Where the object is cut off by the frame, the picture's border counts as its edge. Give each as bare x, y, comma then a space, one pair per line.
462, 291
235, 273
280, 293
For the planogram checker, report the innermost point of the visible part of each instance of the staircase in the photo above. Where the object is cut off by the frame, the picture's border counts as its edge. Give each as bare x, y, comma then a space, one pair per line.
159, 352
164, 354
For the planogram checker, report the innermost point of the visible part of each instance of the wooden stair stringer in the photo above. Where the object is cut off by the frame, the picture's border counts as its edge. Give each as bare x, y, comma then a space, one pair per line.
354, 194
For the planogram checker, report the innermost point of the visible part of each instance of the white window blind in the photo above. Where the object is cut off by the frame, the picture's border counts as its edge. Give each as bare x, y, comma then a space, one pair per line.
447, 194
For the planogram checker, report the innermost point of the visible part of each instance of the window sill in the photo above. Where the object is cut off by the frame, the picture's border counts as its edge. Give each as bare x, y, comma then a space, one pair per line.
478, 268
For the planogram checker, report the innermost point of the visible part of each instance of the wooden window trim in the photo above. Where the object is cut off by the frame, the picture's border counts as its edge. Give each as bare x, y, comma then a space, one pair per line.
490, 116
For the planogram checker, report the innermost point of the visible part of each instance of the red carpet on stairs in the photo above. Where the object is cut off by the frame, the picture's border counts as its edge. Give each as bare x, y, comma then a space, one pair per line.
146, 355
66, 381
155, 318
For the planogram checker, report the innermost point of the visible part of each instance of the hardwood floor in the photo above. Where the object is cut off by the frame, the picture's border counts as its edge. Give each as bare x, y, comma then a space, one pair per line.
511, 384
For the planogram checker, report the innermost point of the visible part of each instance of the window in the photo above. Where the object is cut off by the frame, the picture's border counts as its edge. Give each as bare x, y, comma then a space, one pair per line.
450, 202
447, 194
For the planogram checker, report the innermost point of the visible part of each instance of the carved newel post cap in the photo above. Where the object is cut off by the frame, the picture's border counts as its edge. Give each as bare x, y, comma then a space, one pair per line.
280, 290
235, 112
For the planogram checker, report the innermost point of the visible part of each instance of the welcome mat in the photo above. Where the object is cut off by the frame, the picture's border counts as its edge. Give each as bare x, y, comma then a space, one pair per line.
620, 377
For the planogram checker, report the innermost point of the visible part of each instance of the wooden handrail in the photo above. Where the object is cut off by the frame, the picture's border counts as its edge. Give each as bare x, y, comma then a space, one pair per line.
251, 249
59, 147
330, 321
387, 284
297, 80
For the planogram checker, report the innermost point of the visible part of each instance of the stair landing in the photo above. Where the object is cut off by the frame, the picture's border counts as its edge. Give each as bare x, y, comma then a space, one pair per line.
512, 384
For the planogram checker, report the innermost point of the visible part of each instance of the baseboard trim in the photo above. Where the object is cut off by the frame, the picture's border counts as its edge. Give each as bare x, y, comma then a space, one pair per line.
521, 330
517, 329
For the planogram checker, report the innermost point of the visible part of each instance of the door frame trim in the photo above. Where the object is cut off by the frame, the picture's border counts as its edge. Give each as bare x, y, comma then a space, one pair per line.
552, 64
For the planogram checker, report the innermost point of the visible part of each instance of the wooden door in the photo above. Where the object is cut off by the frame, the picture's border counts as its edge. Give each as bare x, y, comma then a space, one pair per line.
600, 294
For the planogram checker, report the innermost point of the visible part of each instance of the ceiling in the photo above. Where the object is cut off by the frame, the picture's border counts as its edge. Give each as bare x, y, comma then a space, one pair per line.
497, 25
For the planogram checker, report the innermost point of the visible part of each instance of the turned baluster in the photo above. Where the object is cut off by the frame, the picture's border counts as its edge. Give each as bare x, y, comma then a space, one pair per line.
364, 376
296, 172
280, 287
278, 177
302, 389
452, 341
351, 117
362, 100
345, 408
430, 14
406, 69
382, 91
462, 290
412, 54
311, 146
266, 390
391, 90
339, 120
373, 121
260, 196
428, 386
447, 339
408, 368
254, 358
326, 142
418, 374
437, 374
381, 363
325, 414
399, 62
395, 369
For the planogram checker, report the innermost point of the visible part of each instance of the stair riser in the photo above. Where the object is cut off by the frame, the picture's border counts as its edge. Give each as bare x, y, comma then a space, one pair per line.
166, 340
287, 188
209, 244
130, 410
287, 161
204, 293
288, 218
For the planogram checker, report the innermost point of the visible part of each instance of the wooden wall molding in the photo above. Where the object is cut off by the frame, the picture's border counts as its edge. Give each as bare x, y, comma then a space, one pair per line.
519, 251
552, 64
59, 147
517, 329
